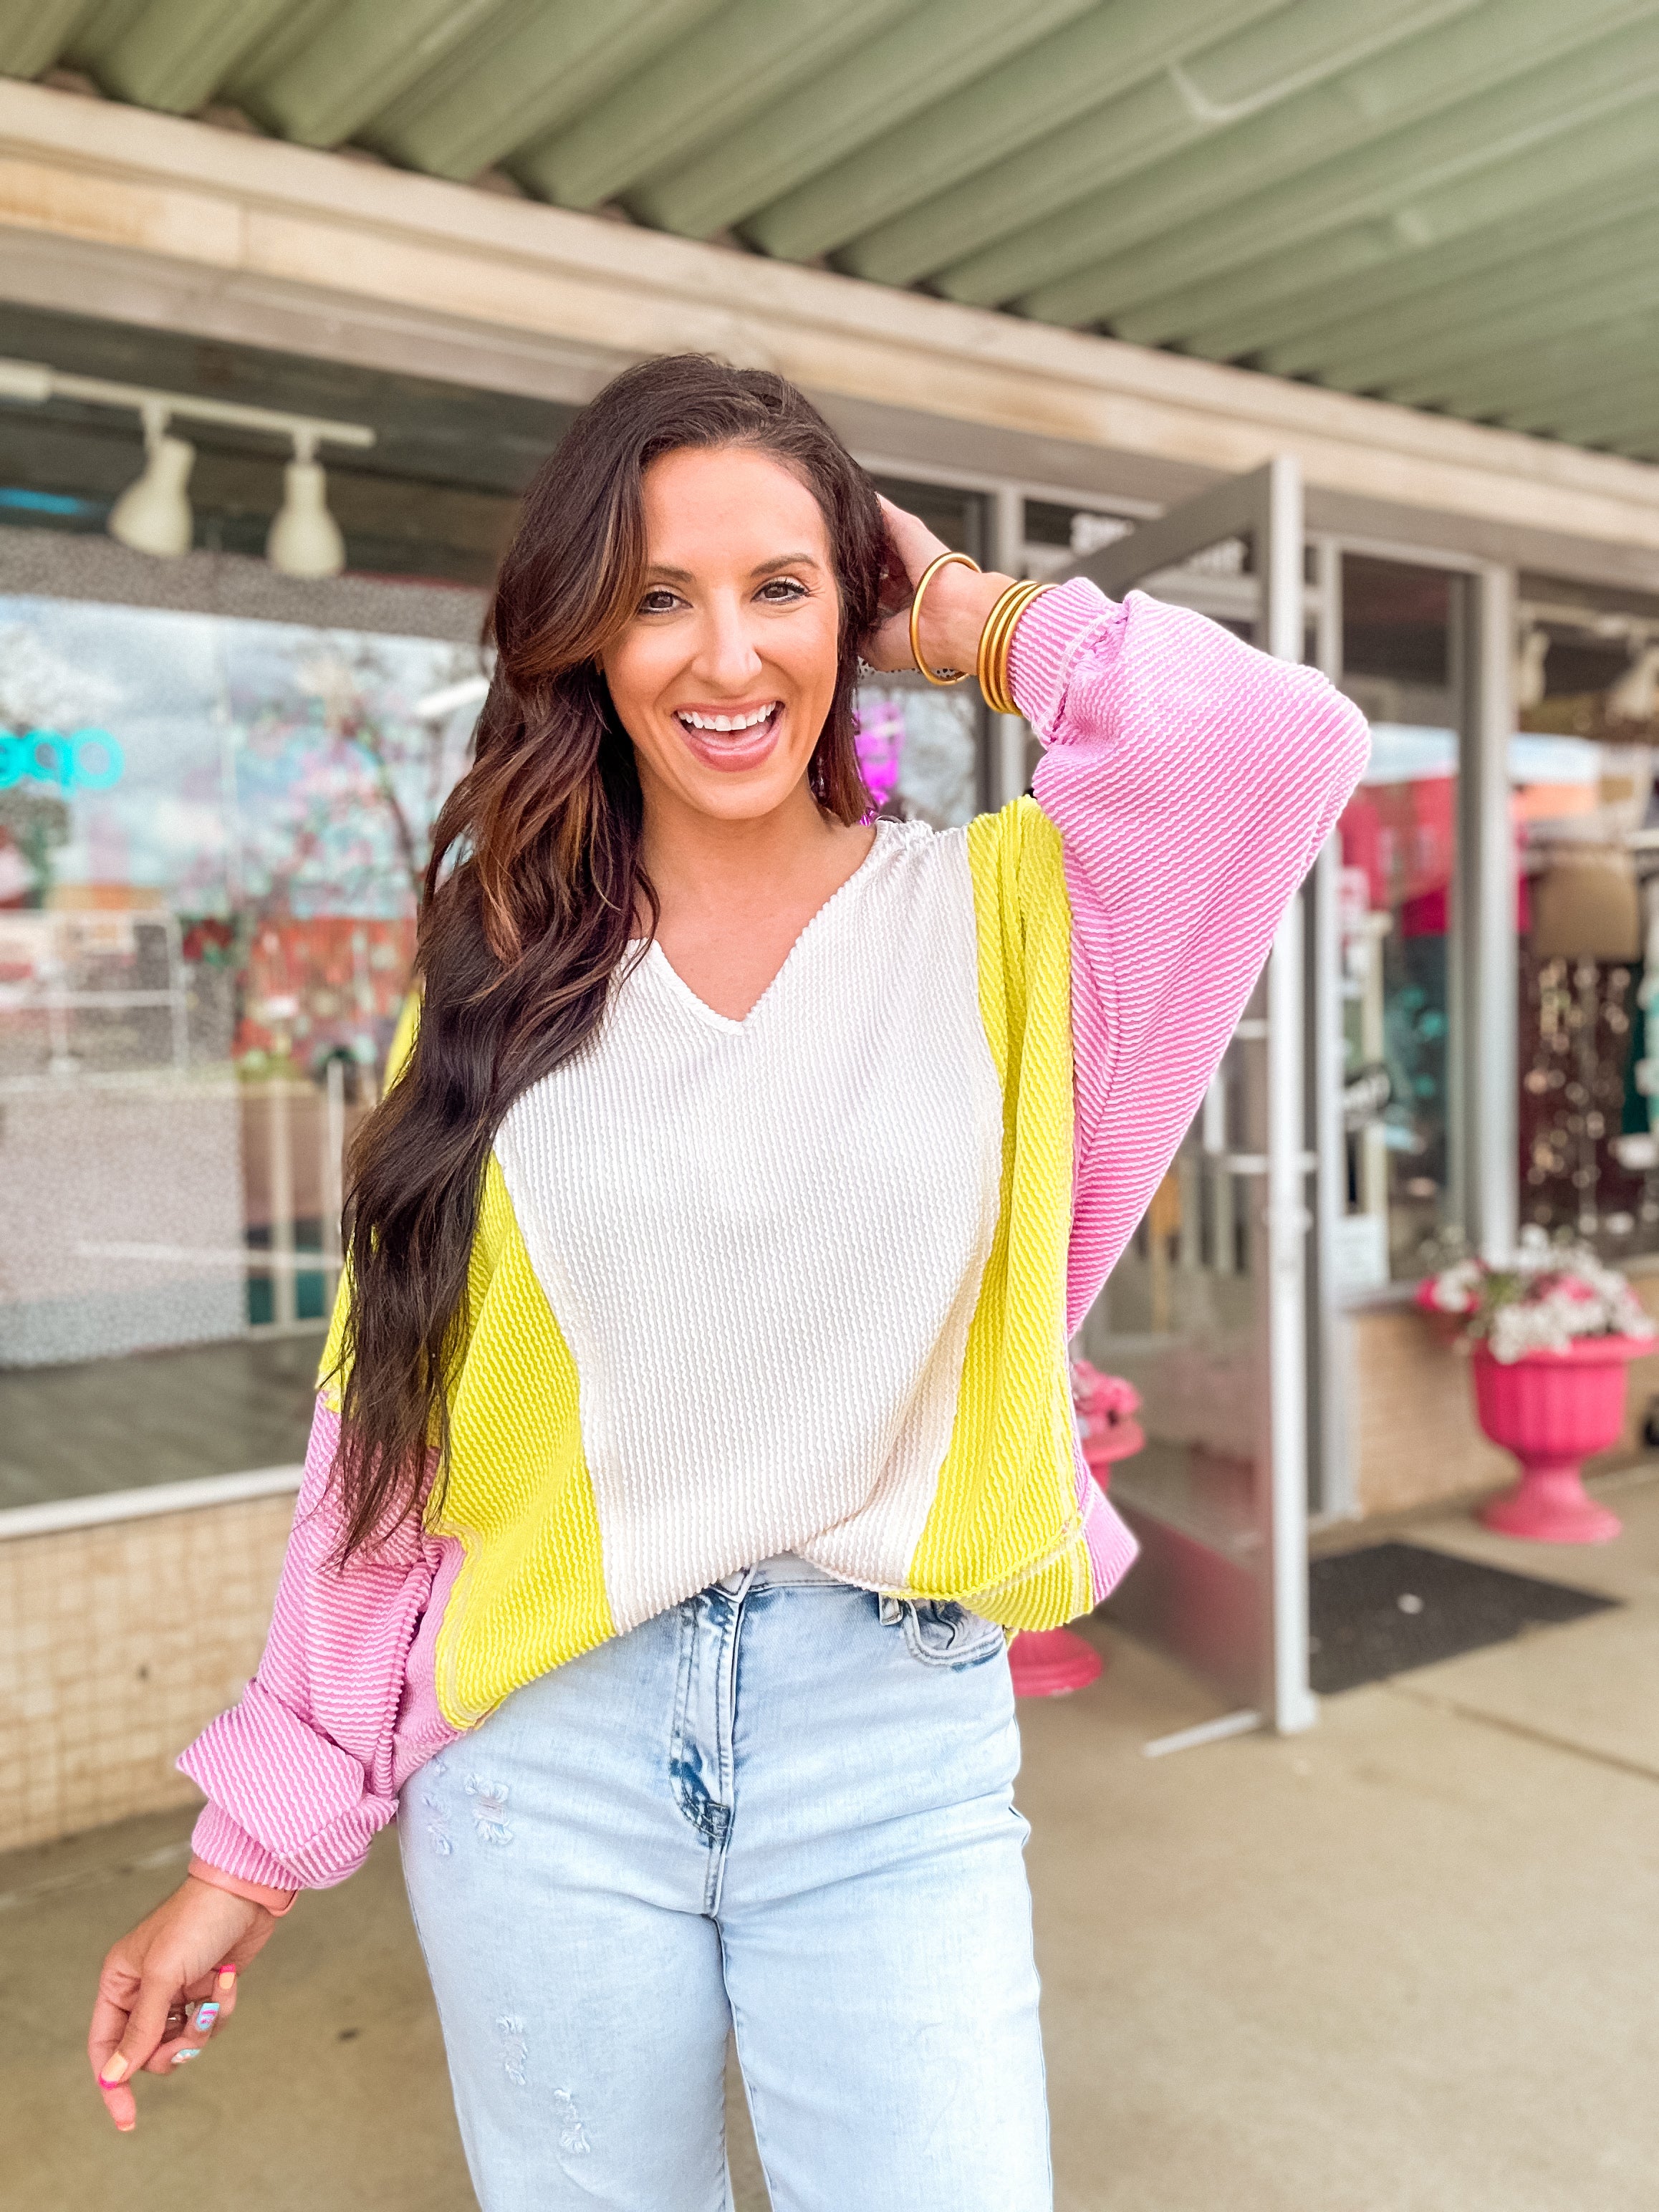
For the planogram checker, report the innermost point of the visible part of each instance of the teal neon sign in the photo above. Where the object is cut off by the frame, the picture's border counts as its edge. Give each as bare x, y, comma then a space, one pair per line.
86, 760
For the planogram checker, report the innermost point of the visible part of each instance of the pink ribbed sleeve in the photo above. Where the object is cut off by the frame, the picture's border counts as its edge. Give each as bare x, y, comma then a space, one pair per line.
1193, 781
301, 1774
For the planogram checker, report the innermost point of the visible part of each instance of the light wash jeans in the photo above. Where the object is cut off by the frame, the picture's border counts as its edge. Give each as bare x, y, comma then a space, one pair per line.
785, 1808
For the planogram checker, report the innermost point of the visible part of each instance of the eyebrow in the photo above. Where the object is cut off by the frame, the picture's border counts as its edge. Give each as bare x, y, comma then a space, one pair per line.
761, 568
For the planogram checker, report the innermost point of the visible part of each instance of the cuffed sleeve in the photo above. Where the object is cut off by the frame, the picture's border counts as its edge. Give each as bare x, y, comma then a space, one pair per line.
303, 1771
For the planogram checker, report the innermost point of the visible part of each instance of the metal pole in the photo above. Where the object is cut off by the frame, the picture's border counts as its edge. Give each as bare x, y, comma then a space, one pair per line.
1009, 735
1279, 558
1486, 1041
177, 993
332, 1178
1331, 1487
283, 1300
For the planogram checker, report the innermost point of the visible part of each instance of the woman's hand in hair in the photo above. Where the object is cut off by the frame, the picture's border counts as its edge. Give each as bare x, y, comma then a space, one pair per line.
149, 2013
953, 613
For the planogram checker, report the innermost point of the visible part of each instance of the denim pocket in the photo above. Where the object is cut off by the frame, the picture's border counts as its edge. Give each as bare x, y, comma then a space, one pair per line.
941, 1633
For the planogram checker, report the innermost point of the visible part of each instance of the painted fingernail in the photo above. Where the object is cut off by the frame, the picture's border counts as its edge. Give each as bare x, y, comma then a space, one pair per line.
125, 2127
205, 2016
189, 2051
226, 1978
115, 2070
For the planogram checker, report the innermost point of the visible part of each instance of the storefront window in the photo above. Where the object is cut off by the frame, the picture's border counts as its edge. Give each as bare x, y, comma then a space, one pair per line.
1398, 837
1582, 772
210, 834
920, 750
923, 750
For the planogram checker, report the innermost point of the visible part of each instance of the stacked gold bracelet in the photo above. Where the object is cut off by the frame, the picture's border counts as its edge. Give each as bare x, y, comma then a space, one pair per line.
995, 641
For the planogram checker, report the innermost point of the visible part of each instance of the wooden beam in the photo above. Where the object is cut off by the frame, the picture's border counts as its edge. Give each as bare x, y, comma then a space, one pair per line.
109, 210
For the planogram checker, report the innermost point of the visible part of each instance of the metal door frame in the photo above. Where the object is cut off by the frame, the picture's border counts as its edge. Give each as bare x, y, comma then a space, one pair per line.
1265, 508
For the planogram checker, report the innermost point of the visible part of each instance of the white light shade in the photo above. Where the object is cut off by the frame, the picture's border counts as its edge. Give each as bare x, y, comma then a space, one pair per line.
153, 515
25, 380
304, 539
438, 706
1631, 699
1529, 660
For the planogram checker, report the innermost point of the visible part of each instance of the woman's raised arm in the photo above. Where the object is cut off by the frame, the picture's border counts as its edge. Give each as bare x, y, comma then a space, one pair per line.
1193, 780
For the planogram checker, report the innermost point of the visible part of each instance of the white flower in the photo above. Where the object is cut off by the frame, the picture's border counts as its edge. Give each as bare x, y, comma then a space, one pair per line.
1457, 1290
1571, 1294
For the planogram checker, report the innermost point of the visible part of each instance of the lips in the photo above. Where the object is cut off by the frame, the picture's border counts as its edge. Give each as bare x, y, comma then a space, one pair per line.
732, 749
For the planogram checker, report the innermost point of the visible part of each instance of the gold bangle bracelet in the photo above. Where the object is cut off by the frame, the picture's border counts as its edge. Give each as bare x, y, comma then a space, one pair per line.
943, 677
996, 642
1004, 670
992, 644
989, 662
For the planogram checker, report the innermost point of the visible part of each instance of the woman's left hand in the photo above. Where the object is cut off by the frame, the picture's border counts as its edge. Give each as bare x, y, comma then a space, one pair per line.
167, 1987
953, 613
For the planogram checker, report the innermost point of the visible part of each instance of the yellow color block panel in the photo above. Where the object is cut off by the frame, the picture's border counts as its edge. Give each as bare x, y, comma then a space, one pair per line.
531, 1593
1004, 1532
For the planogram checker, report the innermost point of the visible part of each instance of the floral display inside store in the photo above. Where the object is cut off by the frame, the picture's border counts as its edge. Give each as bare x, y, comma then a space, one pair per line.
1588, 846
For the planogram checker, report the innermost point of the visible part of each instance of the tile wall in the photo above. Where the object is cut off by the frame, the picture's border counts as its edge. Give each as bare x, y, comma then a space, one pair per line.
118, 1644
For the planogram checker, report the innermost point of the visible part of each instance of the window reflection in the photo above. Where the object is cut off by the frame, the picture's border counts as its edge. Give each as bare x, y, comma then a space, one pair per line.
211, 831
919, 748
1582, 776
1399, 838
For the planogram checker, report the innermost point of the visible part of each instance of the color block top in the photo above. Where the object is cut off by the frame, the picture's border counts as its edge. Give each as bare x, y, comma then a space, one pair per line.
804, 1282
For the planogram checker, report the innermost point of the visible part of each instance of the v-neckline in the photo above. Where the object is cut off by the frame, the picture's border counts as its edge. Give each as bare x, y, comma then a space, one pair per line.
712, 1015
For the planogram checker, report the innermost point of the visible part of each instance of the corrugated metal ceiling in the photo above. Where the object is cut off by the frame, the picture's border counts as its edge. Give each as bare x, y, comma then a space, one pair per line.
1450, 202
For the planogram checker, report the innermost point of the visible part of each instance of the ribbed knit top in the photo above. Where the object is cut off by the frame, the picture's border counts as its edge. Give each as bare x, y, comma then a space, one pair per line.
762, 1239
805, 1281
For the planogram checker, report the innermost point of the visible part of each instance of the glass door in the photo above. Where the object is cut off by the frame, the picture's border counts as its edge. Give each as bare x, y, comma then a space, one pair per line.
1207, 1313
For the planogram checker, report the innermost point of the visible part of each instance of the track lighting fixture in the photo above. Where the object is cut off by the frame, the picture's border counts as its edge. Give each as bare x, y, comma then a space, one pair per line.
304, 539
153, 514
438, 706
1634, 695
1529, 660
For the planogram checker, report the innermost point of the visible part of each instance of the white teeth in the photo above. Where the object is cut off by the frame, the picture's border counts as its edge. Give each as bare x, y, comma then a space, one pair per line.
727, 722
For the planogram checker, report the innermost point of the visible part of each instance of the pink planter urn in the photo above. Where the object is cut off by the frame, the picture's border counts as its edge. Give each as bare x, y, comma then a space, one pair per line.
1552, 1409
1047, 1663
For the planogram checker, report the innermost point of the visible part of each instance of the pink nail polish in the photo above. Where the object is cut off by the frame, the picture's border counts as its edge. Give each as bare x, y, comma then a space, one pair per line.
115, 2073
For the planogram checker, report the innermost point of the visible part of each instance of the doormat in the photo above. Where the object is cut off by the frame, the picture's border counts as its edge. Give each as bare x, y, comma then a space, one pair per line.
1387, 1608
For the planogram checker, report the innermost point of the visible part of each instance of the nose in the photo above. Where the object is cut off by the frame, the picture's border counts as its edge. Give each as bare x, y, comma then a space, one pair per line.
727, 658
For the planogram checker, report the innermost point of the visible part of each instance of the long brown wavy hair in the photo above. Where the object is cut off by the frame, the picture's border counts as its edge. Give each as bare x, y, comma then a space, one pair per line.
535, 886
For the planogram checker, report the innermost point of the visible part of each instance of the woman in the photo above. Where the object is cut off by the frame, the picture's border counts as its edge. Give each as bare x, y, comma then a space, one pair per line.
696, 1417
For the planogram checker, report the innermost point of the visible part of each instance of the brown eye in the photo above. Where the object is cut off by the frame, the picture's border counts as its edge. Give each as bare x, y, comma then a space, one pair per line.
781, 591
659, 602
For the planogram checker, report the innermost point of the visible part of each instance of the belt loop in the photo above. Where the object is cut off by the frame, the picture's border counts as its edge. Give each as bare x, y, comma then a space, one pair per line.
890, 1610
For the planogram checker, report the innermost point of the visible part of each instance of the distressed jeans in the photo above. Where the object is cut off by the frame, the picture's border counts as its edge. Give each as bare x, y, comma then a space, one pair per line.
783, 1809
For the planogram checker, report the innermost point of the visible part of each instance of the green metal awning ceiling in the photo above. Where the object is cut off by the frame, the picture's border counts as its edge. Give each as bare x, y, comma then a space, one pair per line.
1454, 204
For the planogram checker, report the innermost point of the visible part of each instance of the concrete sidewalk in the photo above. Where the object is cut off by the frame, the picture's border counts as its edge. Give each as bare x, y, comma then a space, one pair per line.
1404, 1964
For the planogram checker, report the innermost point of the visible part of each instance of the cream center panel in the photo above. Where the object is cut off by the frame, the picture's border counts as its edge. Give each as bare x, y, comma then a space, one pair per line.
764, 1239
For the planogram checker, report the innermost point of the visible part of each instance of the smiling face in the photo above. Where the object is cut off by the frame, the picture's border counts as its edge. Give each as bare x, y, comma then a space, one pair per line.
724, 674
